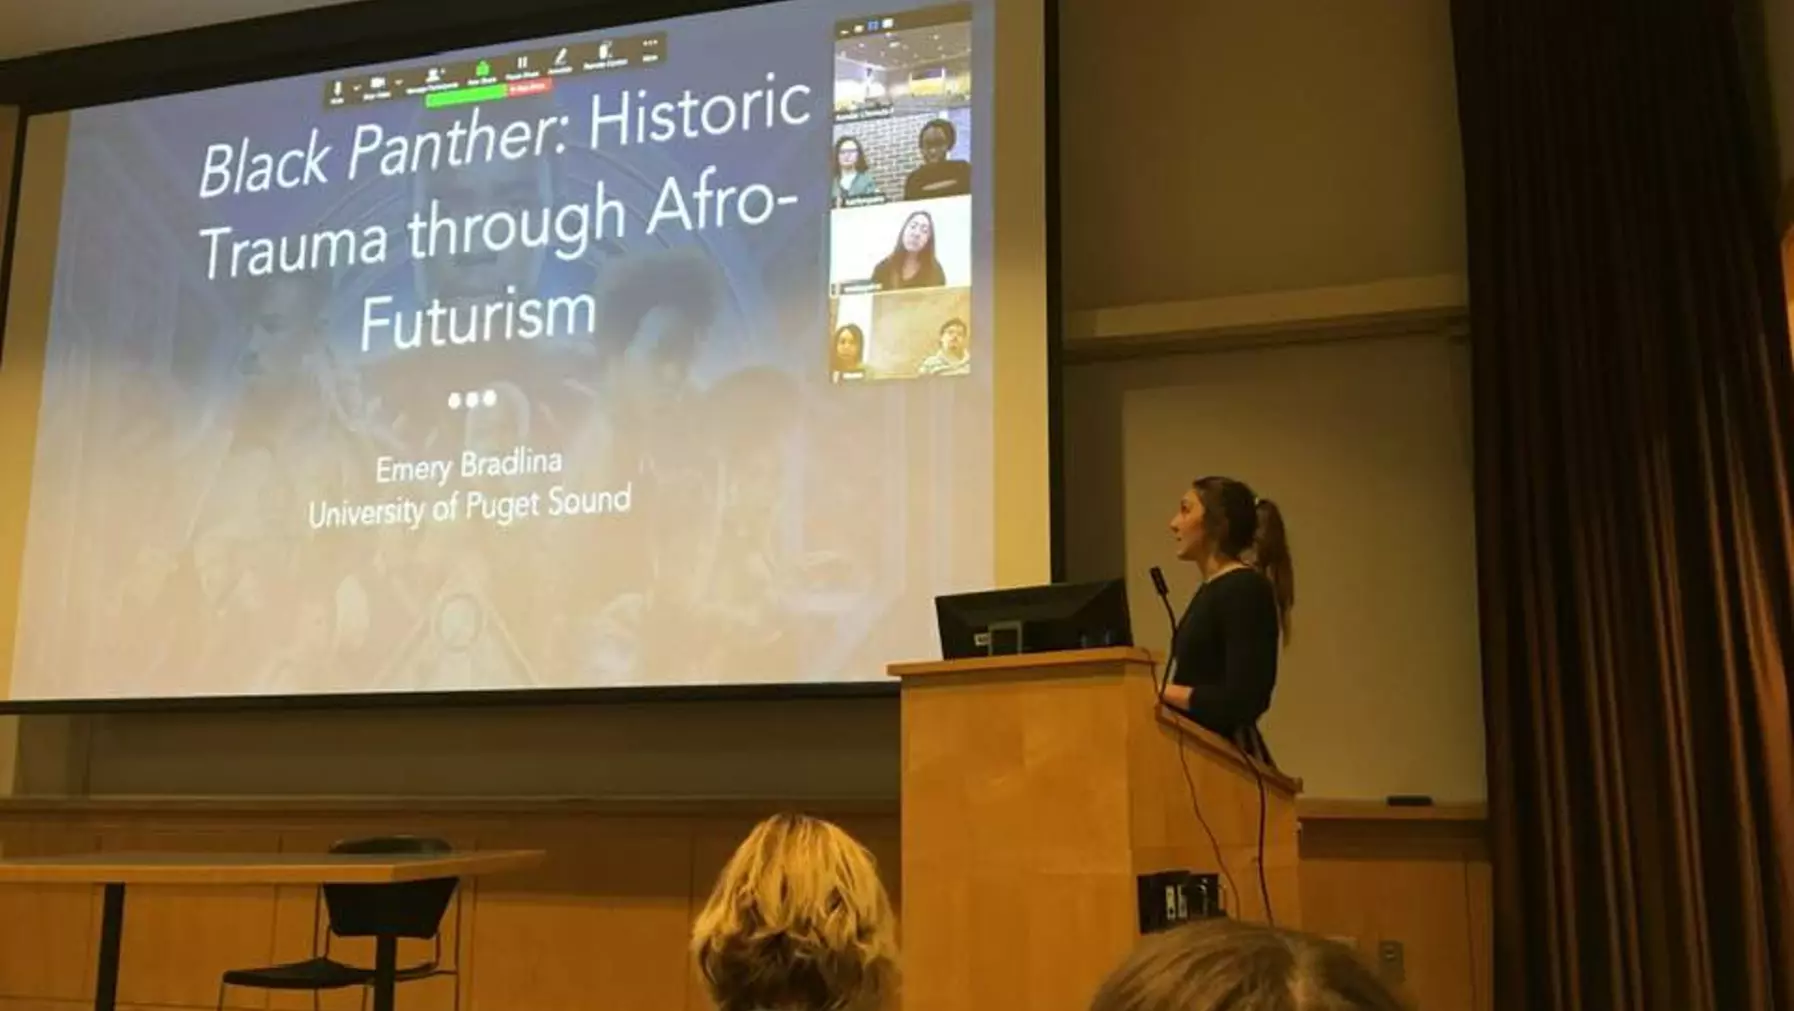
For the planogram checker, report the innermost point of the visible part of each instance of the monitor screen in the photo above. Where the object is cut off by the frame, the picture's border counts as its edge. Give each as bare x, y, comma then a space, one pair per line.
701, 352
1035, 619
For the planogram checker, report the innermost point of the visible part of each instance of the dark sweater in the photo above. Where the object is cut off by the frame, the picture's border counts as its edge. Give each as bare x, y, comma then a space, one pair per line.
1226, 651
938, 179
889, 274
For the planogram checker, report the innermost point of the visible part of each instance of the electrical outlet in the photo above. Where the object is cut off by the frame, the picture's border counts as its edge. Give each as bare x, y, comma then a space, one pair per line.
1392, 960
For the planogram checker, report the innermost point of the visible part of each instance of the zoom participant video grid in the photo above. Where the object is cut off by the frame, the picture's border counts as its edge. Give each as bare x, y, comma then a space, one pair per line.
900, 242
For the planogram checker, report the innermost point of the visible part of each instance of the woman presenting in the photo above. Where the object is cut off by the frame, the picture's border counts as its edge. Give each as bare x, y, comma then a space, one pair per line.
1224, 656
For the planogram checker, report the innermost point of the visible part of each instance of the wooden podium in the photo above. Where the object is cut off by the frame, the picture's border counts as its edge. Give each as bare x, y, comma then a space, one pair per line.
1036, 789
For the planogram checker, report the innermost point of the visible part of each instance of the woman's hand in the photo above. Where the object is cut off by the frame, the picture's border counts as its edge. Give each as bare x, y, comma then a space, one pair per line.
1177, 696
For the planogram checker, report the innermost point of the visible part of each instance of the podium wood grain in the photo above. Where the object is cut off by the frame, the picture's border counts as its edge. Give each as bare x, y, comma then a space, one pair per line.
1035, 790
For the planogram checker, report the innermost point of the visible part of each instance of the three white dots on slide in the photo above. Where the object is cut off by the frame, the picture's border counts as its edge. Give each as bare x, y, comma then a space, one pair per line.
472, 399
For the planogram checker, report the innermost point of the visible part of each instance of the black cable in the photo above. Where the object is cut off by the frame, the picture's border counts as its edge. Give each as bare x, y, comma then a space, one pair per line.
1183, 759
1264, 886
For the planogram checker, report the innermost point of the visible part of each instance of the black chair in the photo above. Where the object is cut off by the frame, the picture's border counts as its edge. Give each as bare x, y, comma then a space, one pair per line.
412, 909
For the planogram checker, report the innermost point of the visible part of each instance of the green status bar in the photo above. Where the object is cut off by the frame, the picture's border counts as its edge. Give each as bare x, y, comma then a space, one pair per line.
466, 96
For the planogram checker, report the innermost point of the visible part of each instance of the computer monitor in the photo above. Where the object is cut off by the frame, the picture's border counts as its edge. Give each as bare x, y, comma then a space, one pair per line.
1034, 619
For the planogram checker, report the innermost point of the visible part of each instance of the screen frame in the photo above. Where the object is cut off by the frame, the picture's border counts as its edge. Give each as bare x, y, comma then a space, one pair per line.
319, 40
15, 187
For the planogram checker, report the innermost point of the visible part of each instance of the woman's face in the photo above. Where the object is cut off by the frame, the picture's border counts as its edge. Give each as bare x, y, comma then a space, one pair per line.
847, 154
1187, 528
916, 233
935, 145
847, 345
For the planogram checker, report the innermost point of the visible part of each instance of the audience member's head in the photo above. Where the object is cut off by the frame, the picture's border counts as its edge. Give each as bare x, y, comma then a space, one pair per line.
1224, 965
798, 921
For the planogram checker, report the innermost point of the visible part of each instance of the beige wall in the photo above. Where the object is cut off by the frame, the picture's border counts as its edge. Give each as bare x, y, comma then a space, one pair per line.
1214, 147
1211, 149
1365, 445
1308, 153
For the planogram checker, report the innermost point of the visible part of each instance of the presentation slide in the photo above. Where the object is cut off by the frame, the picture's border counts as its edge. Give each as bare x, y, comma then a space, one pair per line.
665, 355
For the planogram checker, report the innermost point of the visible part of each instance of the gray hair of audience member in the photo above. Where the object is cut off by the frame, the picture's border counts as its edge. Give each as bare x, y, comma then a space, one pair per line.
1224, 965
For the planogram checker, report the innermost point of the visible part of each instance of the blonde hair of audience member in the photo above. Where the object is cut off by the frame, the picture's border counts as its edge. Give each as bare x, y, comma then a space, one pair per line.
798, 921
1224, 965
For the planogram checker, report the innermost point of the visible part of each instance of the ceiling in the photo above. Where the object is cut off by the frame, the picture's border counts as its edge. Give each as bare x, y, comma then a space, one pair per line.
36, 26
908, 48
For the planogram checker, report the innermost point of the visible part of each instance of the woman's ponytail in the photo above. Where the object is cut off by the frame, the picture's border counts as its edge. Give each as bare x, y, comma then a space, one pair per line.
1270, 555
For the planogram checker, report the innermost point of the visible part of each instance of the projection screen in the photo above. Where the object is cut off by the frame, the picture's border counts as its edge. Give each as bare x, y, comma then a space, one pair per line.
703, 352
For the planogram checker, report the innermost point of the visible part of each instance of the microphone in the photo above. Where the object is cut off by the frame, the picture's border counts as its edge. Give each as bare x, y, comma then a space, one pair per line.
1164, 592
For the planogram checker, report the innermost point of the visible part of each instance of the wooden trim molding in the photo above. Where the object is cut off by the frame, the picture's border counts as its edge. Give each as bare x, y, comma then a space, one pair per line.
1308, 809
217, 869
1393, 307
545, 806
1028, 662
1314, 809
1222, 750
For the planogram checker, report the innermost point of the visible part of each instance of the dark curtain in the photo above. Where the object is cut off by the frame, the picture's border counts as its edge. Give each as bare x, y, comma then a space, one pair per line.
1633, 391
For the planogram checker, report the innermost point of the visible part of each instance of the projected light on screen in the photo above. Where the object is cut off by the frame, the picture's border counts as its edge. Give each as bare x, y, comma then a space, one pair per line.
661, 355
